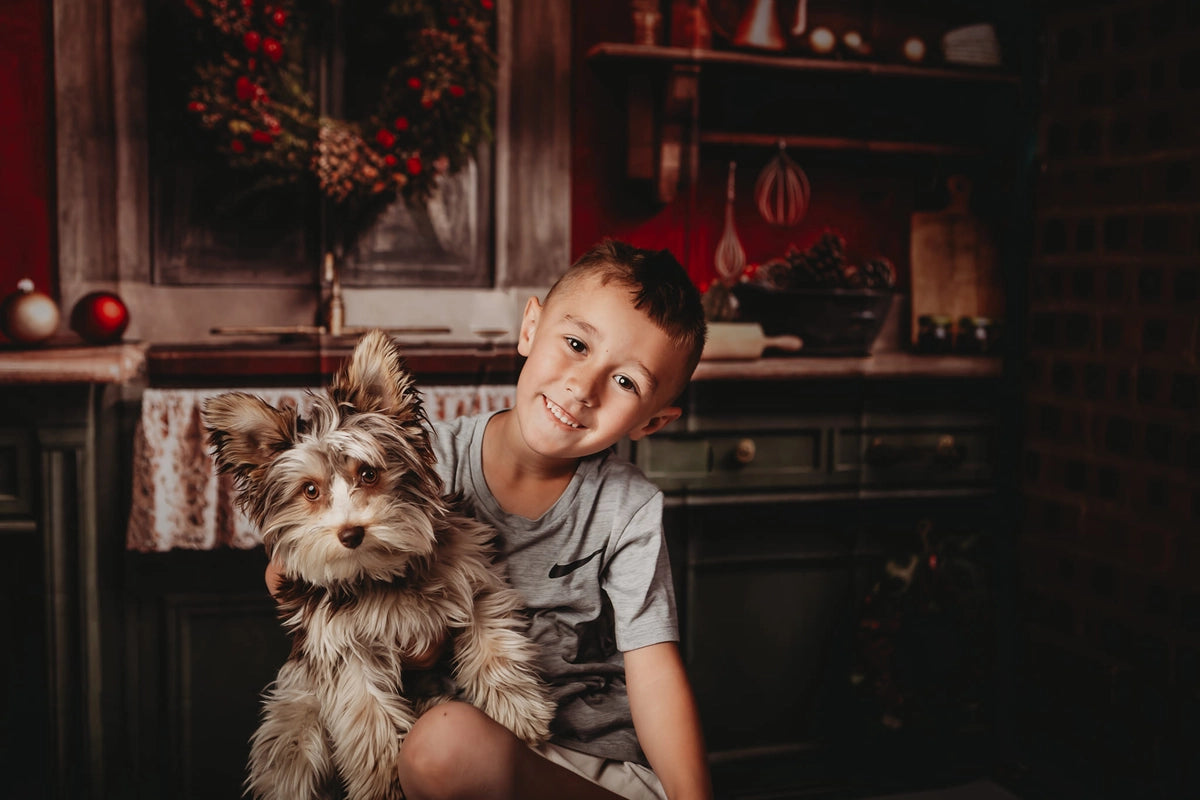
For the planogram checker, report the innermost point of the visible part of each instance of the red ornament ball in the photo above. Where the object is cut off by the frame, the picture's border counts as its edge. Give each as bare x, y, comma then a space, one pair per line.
100, 317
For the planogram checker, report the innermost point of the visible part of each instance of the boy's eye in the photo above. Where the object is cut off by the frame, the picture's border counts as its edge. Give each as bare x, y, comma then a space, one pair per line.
576, 345
367, 475
625, 383
311, 491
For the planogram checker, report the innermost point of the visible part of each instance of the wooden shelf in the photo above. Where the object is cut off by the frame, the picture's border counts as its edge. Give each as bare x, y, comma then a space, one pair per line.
836, 143
618, 51
665, 132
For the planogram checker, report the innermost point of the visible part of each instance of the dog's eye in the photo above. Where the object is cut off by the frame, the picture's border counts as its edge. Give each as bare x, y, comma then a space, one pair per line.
367, 475
311, 491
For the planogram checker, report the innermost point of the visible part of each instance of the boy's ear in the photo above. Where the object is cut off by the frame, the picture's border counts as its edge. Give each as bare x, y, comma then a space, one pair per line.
529, 321
656, 423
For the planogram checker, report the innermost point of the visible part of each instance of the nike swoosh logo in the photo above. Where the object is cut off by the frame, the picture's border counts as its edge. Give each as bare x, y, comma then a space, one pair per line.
562, 570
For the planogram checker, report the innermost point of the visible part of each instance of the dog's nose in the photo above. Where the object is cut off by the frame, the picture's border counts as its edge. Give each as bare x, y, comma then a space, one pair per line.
352, 537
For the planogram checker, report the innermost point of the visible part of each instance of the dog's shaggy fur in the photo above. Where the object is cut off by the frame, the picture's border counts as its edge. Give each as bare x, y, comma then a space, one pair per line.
377, 567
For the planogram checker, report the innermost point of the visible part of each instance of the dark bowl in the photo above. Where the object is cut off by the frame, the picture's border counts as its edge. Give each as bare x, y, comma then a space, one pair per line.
832, 322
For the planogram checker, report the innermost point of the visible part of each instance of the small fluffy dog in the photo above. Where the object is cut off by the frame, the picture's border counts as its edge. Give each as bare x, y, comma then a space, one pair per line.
377, 567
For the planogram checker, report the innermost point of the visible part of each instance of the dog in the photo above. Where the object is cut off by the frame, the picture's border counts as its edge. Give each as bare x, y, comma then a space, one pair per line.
378, 567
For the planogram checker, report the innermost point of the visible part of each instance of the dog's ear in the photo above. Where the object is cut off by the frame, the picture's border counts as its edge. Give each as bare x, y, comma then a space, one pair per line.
374, 379
245, 431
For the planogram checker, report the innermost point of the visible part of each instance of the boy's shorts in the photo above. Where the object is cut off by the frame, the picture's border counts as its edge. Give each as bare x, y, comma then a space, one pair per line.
630, 780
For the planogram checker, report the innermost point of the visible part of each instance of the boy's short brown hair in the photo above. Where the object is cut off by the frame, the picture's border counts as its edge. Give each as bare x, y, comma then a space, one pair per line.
660, 286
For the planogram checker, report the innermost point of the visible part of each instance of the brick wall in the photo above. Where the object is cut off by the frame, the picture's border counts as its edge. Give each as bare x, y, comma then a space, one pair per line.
1110, 547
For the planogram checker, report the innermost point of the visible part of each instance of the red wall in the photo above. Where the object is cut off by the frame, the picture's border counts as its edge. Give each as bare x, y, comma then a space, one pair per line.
26, 149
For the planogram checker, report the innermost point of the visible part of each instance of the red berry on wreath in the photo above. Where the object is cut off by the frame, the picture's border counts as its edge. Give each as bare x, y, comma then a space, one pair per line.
272, 49
390, 160
414, 83
245, 88
401, 123
195, 106
100, 317
385, 137
252, 40
414, 166
262, 137
279, 17
457, 90
237, 146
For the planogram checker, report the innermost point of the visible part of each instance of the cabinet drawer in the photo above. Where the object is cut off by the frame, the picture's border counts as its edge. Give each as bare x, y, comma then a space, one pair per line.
735, 460
918, 457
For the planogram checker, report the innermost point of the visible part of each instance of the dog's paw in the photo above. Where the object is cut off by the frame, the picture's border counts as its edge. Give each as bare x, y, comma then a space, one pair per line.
527, 714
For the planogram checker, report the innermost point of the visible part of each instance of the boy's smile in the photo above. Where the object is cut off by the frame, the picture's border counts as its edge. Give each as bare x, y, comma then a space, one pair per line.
597, 369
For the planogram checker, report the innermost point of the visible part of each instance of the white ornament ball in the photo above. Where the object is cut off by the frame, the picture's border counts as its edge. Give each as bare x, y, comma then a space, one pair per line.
29, 316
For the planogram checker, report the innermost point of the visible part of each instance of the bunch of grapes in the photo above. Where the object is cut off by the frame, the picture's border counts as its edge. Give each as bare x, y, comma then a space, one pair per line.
824, 266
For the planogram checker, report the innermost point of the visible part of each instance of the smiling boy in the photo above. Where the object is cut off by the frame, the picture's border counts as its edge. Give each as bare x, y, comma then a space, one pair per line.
607, 355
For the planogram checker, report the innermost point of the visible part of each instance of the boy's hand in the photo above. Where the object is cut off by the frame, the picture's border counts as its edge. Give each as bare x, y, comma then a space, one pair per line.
274, 581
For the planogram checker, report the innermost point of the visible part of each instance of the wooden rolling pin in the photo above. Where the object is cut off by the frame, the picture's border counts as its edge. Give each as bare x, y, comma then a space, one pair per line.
743, 340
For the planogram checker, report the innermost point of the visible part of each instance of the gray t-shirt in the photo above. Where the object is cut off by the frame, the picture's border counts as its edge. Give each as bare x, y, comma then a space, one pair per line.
594, 574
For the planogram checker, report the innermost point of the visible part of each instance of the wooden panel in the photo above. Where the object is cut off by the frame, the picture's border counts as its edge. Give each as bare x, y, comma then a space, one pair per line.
15, 478
202, 642
222, 651
767, 598
533, 144
87, 197
104, 151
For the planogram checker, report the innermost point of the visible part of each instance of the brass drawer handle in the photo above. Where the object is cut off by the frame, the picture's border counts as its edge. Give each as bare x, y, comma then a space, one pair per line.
948, 450
745, 451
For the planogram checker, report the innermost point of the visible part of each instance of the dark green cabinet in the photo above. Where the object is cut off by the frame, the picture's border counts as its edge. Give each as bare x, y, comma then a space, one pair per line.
827, 645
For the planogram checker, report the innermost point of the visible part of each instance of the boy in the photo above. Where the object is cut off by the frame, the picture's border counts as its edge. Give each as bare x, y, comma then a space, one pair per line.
607, 354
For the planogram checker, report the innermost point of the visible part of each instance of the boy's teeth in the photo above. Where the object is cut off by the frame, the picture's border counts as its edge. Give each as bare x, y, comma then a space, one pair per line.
559, 414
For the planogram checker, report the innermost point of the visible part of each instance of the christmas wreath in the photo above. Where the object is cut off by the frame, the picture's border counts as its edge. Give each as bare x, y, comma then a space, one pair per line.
253, 90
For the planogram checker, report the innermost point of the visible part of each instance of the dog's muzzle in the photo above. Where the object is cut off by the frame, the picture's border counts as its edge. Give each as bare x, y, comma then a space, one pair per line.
352, 537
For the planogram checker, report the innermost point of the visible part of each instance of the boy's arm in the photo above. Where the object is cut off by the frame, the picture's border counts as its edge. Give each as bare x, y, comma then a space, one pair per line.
666, 720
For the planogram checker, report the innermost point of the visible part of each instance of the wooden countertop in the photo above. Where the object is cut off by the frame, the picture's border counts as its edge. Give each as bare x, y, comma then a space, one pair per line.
72, 362
880, 365
308, 363
303, 364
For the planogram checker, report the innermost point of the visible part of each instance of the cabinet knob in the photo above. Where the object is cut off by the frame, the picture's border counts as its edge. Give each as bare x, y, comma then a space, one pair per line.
745, 451
947, 450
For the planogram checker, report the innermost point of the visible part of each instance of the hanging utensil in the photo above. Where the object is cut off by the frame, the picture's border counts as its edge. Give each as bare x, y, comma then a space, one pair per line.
730, 257
801, 23
782, 190
759, 27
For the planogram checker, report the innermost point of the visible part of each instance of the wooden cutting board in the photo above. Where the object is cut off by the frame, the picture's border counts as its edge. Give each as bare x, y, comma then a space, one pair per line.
953, 259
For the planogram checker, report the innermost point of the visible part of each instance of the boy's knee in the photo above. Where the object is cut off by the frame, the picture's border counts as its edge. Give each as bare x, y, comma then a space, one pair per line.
445, 748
